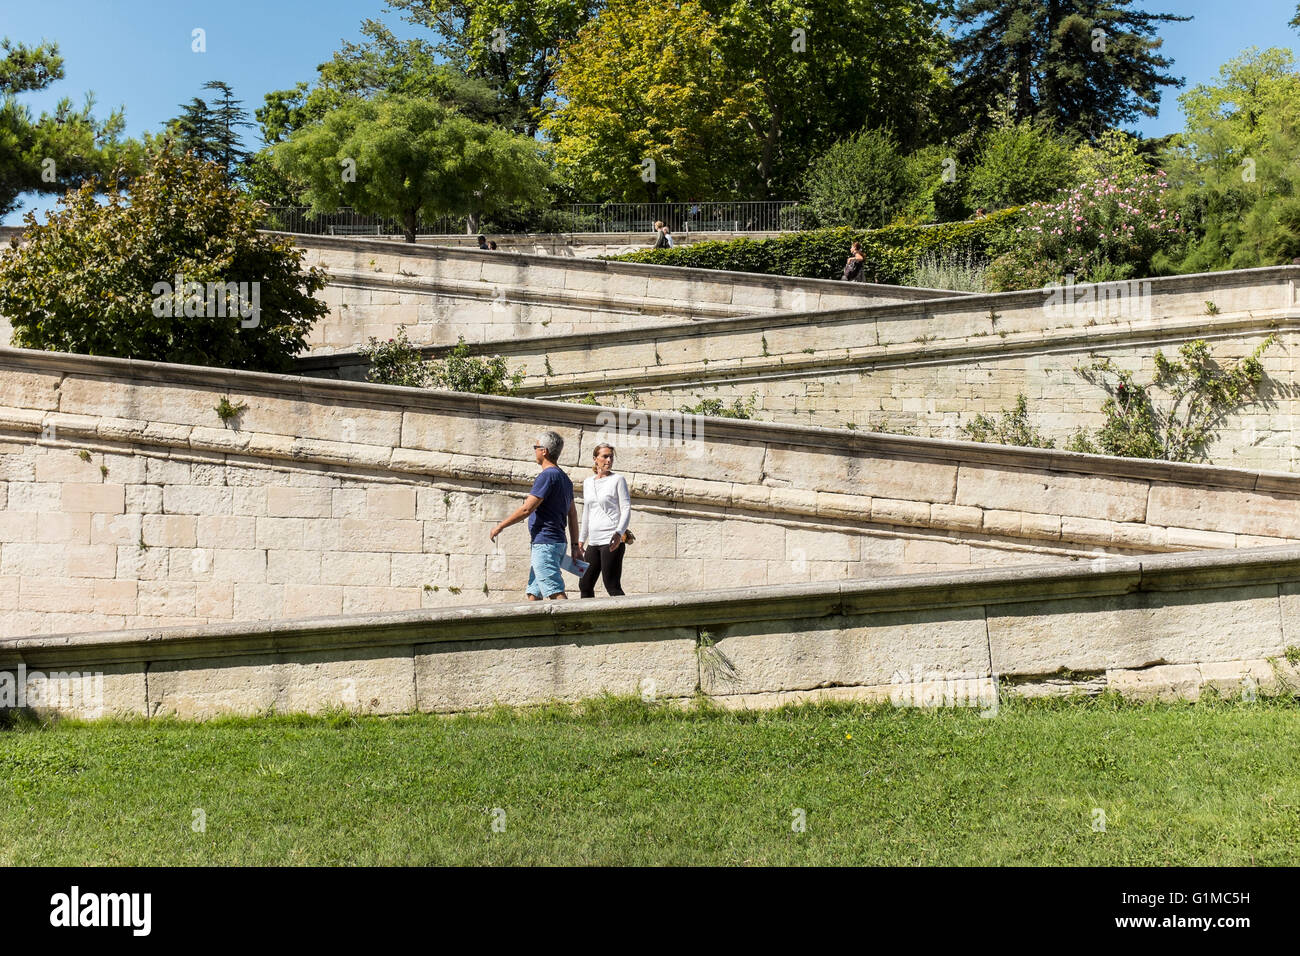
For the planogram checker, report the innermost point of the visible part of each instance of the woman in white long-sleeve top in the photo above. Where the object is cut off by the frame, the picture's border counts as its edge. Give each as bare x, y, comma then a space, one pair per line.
606, 511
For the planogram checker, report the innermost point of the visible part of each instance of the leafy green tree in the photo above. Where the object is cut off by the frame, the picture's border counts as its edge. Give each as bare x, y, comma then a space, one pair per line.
381, 65
1116, 156
404, 158
650, 110
1017, 165
102, 278
1055, 66
1233, 168
937, 193
57, 150
777, 81
512, 45
862, 181
821, 70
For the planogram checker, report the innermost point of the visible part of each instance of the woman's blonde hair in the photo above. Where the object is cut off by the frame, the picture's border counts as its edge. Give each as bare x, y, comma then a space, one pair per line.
596, 451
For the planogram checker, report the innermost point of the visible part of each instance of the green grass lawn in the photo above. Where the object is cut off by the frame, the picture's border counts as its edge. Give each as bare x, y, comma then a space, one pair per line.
618, 781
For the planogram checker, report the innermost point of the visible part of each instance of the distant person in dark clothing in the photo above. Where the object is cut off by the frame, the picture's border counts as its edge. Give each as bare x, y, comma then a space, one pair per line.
855, 265
549, 508
482, 243
493, 245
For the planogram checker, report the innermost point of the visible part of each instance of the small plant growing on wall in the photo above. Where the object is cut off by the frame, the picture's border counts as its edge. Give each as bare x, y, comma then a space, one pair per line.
716, 408
1011, 428
227, 411
715, 667
395, 362
1211, 308
398, 362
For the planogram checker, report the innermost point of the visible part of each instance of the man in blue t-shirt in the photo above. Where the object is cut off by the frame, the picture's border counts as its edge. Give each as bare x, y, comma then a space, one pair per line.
548, 507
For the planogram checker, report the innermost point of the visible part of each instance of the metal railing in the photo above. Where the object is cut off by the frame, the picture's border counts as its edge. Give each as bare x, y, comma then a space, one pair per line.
761, 216
347, 222
681, 217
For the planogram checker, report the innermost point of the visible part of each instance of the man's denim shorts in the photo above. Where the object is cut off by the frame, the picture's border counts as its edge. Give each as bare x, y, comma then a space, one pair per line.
544, 577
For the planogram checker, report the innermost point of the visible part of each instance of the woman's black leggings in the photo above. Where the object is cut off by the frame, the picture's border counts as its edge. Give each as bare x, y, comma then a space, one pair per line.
603, 564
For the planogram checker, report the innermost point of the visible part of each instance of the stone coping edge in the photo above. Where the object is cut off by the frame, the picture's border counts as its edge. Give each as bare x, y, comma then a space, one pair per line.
572, 415
837, 361
1025, 586
767, 321
428, 251
573, 299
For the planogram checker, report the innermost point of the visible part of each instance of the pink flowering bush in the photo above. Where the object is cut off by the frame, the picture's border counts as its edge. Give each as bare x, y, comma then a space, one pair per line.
1100, 231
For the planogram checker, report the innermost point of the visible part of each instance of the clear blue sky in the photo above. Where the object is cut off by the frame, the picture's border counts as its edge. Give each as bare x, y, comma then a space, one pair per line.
137, 53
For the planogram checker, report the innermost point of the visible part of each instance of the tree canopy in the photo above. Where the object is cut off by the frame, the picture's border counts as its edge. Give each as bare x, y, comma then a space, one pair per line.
172, 270
1233, 168
650, 110
1077, 65
380, 65
734, 98
512, 45
406, 157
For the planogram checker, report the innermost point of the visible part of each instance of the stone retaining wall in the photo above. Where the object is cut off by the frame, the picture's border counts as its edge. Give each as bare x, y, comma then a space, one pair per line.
1166, 626
126, 502
439, 294
807, 369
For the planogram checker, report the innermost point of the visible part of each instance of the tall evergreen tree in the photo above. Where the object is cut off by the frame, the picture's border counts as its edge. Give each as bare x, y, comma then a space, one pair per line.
211, 132
1079, 65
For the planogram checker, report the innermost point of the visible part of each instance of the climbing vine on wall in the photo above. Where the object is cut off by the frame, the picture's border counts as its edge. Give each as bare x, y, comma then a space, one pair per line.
1172, 417
1175, 415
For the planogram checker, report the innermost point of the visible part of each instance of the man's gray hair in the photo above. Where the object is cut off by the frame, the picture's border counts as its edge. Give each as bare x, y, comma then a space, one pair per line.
553, 444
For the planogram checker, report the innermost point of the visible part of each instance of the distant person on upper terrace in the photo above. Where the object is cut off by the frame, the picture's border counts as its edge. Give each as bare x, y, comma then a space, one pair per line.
661, 240
855, 265
482, 243
548, 508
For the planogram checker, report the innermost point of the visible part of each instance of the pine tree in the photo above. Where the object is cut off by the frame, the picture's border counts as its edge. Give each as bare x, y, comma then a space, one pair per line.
228, 116
211, 132
57, 150
1078, 65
